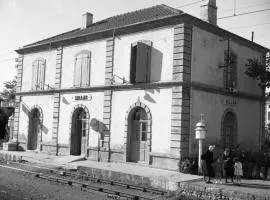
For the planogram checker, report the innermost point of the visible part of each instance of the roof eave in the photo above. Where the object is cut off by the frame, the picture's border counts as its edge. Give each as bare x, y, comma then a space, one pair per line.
161, 22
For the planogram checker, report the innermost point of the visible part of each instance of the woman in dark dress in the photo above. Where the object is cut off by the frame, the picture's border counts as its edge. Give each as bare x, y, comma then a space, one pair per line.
228, 165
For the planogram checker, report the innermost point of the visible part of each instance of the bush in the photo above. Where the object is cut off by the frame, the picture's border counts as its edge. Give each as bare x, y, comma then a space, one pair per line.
188, 165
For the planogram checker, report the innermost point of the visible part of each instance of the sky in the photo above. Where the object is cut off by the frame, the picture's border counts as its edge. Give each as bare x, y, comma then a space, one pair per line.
26, 21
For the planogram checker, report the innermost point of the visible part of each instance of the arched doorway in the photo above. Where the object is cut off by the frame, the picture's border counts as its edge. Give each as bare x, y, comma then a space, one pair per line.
137, 138
34, 129
229, 130
79, 132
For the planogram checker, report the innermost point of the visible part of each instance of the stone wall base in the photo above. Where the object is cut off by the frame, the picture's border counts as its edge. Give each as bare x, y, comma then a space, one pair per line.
162, 161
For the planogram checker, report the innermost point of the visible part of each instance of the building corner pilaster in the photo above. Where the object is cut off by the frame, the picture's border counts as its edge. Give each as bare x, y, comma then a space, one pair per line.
181, 99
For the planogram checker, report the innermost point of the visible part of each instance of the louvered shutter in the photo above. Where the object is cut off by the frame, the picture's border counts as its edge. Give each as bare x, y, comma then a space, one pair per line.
85, 69
35, 75
42, 68
77, 71
88, 65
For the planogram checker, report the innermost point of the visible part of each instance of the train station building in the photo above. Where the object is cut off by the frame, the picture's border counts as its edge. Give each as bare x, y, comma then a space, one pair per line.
131, 88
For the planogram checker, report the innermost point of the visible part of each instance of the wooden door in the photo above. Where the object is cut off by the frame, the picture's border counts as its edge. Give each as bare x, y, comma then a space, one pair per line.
84, 136
139, 150
228, 136
143, 141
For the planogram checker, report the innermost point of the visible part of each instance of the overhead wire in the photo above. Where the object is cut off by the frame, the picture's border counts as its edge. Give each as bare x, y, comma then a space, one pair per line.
249, 6
189, 4
251, 25
246, 13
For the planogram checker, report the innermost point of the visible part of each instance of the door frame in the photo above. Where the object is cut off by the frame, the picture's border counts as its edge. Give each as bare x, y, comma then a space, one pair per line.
130, 113
234, 136
39, 133
84, 139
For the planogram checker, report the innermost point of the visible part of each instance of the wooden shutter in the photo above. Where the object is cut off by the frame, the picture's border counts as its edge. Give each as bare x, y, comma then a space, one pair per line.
141, 62
88, 65
77, 71
41, 78
133, 58
85, 69
35, 75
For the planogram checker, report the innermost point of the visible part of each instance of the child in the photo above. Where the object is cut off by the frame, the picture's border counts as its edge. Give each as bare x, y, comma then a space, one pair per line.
238, 171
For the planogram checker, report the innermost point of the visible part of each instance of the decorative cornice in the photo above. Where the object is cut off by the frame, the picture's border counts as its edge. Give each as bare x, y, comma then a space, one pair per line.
105, 87
223, 91
145, 86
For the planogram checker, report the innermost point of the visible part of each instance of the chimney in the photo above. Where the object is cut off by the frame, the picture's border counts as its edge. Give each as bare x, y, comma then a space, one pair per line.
87, 19
209, 11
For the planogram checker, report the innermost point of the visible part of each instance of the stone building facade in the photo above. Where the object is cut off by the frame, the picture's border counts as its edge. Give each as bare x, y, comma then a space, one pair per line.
131, 88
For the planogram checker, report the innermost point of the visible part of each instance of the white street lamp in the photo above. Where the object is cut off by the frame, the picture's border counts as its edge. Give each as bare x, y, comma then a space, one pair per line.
200, 134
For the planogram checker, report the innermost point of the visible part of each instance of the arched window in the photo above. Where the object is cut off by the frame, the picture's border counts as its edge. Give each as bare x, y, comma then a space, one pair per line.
38, 76
82, 69
140, 61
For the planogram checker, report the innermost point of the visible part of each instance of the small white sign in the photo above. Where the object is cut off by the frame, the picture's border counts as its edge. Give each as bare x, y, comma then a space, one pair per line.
86, 97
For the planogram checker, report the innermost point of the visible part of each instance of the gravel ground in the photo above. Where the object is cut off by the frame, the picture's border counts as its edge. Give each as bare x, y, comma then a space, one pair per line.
17, 185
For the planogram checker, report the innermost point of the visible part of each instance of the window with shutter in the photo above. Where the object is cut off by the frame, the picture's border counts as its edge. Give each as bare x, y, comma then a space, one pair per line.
140, 62
38, 76
82, 69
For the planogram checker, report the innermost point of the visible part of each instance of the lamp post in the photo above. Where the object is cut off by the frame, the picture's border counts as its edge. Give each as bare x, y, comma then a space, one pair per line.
200, 134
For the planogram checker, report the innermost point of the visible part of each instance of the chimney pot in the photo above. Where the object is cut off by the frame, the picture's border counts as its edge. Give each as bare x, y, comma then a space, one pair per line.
87, 19
209, 11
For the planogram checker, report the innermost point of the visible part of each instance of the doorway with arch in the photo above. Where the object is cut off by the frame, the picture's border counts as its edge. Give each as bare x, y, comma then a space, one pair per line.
229, 129
138, 134
79, 131
34, 128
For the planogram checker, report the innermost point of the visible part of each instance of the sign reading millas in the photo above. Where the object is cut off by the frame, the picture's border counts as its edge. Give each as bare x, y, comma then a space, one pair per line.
82, 98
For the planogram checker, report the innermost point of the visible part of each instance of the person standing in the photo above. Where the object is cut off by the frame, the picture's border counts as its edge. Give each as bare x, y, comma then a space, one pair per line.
208, 158
238, 171
219, 169
228, 165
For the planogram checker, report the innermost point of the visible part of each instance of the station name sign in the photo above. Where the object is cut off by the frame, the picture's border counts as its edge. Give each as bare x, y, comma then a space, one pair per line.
230, 102
82, 98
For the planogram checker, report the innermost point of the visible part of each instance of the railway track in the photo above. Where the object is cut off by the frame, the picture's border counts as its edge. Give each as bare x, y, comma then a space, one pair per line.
113, 189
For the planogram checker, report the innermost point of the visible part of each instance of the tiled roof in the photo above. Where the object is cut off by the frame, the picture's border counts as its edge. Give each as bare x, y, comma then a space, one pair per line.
139, 16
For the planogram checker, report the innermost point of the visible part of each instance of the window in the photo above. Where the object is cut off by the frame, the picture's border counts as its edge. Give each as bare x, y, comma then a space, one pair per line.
141, 122
230, 70
140, 62
38, 76
82, 69
268, 116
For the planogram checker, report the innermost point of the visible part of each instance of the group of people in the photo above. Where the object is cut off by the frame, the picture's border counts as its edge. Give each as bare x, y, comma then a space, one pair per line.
224, 164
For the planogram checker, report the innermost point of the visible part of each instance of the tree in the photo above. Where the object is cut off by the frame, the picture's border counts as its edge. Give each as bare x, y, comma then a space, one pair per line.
8, 94
258, 71
9, 90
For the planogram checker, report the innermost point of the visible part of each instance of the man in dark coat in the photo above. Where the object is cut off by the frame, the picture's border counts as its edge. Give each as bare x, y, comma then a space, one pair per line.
228, 165
208, 158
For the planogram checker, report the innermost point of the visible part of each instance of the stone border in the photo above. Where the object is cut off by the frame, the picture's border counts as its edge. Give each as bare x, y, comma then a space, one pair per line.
149, 128
107, 105
56, 97
18, 98
180, 114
